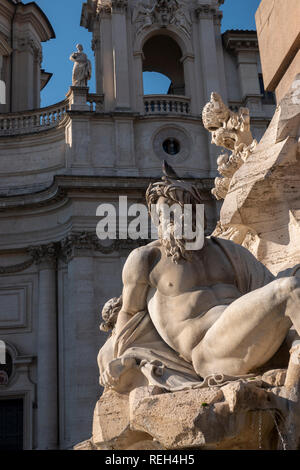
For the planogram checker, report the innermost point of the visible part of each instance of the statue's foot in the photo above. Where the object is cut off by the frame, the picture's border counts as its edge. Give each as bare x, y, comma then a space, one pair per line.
116, 368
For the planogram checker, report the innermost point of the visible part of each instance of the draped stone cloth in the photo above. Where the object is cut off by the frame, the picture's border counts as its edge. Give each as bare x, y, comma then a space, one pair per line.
160, 364
82, 69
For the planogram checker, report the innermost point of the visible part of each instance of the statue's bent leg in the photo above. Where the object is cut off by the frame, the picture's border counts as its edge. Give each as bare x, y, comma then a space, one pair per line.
250, 330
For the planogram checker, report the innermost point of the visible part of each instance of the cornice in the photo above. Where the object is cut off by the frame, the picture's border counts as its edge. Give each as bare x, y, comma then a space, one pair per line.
32, 13
240, 40
7, 9
36, 200
88, 15
63, 186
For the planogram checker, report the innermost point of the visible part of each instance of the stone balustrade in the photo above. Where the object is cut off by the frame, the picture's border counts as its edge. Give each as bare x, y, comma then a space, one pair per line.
95, 102
37, 120
171, 104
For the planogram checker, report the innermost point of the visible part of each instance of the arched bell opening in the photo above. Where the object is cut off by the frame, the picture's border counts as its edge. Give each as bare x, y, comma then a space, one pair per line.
162, 55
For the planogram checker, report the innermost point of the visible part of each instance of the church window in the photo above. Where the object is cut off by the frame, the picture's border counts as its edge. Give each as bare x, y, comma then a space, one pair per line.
171, 146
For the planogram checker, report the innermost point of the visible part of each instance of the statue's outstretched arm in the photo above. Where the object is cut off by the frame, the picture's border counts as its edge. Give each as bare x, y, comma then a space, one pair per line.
135, 286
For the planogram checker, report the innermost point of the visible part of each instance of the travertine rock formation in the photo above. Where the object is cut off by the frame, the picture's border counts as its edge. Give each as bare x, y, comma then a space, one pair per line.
262, 207
257, 413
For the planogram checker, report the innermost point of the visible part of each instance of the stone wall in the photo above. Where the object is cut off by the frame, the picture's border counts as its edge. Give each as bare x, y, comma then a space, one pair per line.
278, 23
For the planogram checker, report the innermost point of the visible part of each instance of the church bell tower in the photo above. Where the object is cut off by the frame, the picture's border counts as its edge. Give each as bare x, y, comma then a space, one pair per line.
179, 39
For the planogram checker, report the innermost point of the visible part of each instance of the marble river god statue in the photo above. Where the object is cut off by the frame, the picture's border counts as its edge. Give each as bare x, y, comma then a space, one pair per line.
185, 316
204, 346
82, 69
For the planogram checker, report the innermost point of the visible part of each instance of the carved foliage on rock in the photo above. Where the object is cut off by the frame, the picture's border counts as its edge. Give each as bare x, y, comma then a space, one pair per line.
240, 234
231, 131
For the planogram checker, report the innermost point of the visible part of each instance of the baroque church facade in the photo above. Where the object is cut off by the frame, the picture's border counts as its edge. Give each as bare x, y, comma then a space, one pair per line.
58, 164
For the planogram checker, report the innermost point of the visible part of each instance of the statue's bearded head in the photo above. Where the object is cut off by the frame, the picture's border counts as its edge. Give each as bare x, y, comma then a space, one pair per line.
79, 47
164, 194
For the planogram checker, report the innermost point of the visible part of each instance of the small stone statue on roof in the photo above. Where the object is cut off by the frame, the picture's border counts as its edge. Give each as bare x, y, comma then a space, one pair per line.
82, 70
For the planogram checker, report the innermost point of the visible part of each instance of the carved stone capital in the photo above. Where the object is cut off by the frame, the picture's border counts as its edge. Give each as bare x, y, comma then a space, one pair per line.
119, 6
44, 253
103, 10
111, 6
66, 249
208, 12
26, 43
90, 241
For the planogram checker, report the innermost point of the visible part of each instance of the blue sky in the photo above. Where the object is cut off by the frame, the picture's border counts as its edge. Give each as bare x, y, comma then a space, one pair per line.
64, 16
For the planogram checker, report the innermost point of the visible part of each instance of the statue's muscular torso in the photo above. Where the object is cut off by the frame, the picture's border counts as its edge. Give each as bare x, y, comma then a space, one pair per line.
184, 300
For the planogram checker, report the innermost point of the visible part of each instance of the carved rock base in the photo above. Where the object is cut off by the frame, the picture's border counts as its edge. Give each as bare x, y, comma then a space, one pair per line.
241, 415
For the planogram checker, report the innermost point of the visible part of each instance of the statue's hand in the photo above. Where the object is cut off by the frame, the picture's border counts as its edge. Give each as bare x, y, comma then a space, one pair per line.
115, 370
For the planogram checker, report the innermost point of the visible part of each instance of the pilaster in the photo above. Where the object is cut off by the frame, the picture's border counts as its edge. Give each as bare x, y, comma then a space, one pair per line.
138, 81
26, 52
106, 82
80, 344
96, 47
120, 55
47, 388
245, 48
207, 15
188, 62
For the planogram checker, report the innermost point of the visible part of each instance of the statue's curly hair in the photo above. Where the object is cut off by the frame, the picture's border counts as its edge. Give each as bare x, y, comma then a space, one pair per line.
175, 191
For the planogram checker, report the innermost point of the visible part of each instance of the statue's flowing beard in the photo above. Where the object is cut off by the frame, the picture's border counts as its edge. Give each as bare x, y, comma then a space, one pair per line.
174, 247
